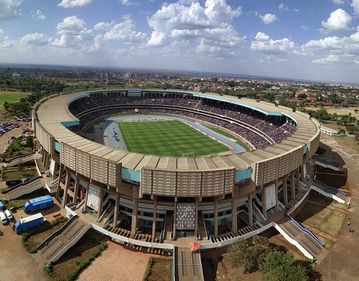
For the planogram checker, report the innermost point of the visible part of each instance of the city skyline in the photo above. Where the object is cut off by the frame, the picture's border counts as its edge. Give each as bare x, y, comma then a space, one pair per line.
312, 40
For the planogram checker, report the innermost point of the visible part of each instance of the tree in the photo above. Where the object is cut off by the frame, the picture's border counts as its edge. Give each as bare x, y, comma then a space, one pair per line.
249, 253
281, 266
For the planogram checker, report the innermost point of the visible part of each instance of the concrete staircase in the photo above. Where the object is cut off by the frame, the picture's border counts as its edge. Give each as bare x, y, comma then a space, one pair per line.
300, 237
188, 265
24, 189
57, 244
329, 191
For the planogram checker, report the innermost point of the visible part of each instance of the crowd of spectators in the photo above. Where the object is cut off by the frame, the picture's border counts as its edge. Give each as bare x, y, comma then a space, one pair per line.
256, 127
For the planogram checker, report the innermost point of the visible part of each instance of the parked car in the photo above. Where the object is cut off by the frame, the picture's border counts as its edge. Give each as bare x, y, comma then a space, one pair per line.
8, 215
2, 206
3, 218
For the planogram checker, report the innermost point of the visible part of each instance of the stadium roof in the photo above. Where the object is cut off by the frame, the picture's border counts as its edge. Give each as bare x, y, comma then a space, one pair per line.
53, 113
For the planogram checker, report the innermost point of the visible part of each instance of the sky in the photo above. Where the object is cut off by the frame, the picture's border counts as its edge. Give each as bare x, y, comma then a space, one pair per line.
306, 39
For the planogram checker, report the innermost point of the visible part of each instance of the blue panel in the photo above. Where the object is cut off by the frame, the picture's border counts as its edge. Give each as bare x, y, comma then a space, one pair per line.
241, 175
70, 123
57, 147
305, 150
130, 175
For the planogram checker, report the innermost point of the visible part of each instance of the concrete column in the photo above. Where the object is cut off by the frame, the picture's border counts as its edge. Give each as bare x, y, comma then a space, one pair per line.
292, 185
102, 193
55, 169
154, 218
264, 202
276, 195
76, 189
134, 216
174, 219
117, 209
67, 183
87, 195
250, 209
61, 171
298, 180
285, 190
196, 218
234, 212
216, 217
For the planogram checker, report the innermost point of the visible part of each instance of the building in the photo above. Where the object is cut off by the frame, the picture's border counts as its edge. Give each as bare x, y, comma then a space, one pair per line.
210, 198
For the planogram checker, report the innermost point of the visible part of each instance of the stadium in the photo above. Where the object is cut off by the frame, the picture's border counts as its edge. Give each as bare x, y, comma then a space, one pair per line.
152, 168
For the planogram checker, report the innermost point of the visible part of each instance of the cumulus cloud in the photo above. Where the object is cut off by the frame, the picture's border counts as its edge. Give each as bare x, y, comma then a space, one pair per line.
38, 15
37, 39
283, 7
9, 8
72, 32
339, 20
206, 28
265, 44
123, 31
334, 49
74, 3
268, 18
355, 5
338, 2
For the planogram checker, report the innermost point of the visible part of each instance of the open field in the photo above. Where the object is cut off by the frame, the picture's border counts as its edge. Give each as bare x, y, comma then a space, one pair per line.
10, 97
323, 215
167, 138
339, 110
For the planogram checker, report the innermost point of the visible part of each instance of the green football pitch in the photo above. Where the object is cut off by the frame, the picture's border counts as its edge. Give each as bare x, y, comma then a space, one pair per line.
167, 138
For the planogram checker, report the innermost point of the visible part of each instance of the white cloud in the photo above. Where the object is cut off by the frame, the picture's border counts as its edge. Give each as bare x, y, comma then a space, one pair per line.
9, 8
339, 20
123, 31
305, 27
338, 2
263, 43
283, 7
74, 3
37, 39
125, 2
355, 5
205, 29
73, 33
39, 15
268, 18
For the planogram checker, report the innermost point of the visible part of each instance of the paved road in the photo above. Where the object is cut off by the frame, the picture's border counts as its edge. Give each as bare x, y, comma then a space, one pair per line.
15, 262
342, 261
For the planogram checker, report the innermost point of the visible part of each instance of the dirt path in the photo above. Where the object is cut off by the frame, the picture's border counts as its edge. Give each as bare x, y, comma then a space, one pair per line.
15, 262
342, 261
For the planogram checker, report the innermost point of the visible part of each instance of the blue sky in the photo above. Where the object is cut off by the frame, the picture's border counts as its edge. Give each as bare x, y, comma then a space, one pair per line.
307, 39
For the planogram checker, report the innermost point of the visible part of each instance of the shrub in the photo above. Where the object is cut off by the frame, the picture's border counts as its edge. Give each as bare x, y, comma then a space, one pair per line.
149, 266
249, 253
82, 264
274, 259
49, 269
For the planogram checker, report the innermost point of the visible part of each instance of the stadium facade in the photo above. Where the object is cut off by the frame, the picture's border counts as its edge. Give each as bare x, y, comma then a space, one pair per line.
211, 197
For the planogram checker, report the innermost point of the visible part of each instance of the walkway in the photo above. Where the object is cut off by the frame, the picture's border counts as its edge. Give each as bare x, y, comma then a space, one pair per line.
188, 265
116, 263
341, 263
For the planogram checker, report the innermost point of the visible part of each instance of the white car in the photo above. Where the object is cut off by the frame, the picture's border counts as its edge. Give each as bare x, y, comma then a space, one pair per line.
8, 215
3, 218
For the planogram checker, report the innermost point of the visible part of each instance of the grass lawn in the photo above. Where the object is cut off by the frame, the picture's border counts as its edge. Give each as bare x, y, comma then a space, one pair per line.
18, 172
229, 135
11, 97
167, 138
83, 249
324, 219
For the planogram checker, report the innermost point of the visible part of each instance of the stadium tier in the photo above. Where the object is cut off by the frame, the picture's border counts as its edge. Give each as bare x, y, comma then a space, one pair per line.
160, 198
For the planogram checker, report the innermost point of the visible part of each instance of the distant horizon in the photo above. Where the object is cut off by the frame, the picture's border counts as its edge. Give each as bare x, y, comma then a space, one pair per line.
179, 71
305, 40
